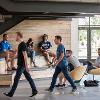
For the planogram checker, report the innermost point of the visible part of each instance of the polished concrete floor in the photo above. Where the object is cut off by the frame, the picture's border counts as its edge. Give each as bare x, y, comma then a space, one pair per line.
23, 91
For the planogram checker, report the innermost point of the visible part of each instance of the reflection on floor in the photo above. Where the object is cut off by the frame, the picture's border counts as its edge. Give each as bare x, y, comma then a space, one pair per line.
23, 91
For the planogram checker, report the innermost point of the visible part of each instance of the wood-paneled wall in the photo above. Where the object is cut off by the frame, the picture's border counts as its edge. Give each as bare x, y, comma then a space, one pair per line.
36, 28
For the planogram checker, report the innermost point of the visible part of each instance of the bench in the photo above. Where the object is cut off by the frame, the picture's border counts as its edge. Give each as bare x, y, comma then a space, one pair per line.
6, 79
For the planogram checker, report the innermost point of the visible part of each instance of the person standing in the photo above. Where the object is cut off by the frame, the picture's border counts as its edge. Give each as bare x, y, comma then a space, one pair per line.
22, 67
73, 63
61, 64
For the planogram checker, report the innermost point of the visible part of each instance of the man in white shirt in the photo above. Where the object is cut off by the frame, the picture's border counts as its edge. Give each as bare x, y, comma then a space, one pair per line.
73, 62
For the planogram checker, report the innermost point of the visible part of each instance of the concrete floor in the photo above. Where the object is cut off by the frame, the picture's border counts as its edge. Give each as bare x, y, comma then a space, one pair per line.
23, 91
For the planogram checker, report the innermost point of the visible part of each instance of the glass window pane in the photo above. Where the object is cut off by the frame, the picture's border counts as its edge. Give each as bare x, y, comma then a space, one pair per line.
84, 21
95, 43
95, 20
82, 44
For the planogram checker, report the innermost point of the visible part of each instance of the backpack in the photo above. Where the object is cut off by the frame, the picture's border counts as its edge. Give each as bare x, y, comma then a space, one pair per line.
91, 83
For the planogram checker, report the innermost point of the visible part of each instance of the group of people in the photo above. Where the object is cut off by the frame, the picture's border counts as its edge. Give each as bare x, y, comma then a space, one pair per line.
63, 61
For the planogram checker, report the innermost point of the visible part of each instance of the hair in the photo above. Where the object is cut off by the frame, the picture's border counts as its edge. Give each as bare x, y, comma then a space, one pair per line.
98, 49
30, 40
20, 34
70, 51
45, 35
4, 35
58, 37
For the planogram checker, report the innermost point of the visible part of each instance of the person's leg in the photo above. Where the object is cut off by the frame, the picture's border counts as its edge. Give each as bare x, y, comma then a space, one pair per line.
6, 56
61, 76
67, 76
54, 79
64, 82
46, 55
13, 64
30, 80
12, 56
16, 80
51, 54
32, 58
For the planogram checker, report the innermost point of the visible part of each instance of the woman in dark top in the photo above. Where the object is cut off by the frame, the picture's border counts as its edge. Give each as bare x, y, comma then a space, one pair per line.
30, 51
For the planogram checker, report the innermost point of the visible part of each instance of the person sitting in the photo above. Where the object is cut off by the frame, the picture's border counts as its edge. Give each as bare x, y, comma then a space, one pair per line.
7, 53
97, 61
44, 47
73, 63
95, 65
30, 51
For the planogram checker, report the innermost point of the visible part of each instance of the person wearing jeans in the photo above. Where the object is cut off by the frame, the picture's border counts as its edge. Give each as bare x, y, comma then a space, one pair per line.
61, 64
22, 67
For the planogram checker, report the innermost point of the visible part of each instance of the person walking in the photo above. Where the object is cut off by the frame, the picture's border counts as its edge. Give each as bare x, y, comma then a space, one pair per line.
22, 67
61, 64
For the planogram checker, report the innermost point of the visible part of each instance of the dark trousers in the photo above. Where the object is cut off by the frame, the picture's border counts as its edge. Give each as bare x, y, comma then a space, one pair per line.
20, 71
64, 70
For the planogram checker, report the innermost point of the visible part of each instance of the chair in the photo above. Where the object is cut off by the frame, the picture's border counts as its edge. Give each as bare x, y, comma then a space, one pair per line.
94, 72
77, 75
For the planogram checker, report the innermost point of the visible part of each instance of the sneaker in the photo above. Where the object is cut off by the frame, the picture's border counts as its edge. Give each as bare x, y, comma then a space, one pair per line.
34, 93
49, 90
64, 85
13, 68
58, 85
8, 94
74, 89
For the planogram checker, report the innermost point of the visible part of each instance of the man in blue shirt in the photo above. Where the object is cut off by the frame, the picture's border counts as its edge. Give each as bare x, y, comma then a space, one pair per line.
61, 64
44, 47
7, 52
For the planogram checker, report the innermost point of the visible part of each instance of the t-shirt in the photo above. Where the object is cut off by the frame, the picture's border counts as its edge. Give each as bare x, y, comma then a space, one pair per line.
97, 62
74, 61
45, 45
5, 46
60, 50
21, 48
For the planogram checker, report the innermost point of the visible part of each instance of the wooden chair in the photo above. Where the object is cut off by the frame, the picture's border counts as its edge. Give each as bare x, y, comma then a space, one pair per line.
94, 72
78, 73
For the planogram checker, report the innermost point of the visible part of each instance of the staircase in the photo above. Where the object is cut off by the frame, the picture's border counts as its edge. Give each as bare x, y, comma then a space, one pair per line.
9, 21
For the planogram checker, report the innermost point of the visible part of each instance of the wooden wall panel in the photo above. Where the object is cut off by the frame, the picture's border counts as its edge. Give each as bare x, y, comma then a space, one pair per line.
36, 28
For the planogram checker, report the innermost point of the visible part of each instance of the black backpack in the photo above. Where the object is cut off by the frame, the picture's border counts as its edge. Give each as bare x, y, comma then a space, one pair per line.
91, 83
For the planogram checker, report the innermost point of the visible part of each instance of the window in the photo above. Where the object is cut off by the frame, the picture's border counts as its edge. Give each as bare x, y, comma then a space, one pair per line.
82, 44
89, 32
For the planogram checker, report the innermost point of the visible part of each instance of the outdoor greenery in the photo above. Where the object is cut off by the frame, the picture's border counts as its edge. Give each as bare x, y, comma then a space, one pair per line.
95, 36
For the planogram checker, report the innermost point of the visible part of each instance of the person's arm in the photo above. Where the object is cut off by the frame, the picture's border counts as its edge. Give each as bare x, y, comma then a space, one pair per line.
9, 47
96, 64
40, 47
54, 58
60, 59
25, 60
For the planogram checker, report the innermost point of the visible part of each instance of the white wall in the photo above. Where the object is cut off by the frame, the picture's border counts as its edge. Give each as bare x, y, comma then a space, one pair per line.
74, 36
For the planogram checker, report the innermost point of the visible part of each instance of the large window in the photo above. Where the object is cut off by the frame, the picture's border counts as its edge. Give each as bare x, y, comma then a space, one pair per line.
82, 44
89, 37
